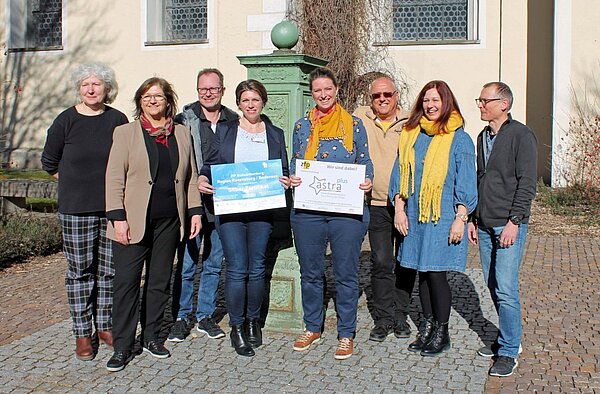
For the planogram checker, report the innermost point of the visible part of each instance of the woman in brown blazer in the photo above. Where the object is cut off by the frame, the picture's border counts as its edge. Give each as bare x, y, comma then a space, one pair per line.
150, 197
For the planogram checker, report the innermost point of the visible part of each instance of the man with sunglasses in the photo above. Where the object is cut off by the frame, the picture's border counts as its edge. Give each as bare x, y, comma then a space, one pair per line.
506, 183
201, 117
391, 285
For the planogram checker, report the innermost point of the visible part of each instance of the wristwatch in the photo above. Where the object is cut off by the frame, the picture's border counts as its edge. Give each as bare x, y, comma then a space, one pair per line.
462, 216
516, 220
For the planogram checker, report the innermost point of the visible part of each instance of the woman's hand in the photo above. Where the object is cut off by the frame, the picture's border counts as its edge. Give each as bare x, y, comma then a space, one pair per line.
204, 186
295, 181
366, 186
457, 231
285, 182
401, 222
195, 226
122, 231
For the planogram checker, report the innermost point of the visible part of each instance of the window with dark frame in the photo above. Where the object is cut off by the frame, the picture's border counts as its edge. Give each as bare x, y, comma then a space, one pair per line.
186, 20
172, 22
432, 20
35, 25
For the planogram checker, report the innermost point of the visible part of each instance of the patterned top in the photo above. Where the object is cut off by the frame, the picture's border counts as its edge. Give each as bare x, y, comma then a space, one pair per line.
333, 150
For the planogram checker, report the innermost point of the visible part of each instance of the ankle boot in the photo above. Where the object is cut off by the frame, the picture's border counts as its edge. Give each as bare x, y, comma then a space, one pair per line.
440, 341
240, 342
254, 333
424, 335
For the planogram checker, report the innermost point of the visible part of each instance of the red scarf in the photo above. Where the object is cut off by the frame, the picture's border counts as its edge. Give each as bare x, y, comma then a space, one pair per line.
160, 133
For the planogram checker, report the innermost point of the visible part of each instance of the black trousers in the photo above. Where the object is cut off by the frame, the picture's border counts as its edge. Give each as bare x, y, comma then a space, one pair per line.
391, 284
157, 251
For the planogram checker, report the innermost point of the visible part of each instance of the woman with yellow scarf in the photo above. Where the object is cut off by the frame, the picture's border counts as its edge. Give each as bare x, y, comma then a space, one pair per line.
329, 133
434, 188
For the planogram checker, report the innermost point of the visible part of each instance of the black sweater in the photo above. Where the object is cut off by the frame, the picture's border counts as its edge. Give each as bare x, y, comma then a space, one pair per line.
507, 185
77, 147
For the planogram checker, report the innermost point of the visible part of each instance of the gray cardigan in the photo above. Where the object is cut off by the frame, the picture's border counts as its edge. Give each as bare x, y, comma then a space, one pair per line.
507, 185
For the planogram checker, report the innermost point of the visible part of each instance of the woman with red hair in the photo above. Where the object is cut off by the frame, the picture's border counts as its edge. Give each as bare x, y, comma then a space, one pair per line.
434, 188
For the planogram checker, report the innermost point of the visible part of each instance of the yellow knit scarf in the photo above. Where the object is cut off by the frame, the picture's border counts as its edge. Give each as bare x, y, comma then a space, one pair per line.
335, 125
435, 166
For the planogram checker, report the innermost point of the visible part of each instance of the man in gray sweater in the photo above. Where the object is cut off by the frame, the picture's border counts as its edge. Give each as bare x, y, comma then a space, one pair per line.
506, 183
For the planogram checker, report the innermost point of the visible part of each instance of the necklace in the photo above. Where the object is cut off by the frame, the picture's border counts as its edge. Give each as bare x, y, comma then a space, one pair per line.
258, 127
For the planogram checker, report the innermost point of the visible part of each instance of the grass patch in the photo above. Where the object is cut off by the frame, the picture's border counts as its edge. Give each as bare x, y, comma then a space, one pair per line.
45, 205
577, 202
6, 173
26, 235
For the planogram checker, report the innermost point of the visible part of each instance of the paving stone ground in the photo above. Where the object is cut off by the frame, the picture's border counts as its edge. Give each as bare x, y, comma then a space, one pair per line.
561, 339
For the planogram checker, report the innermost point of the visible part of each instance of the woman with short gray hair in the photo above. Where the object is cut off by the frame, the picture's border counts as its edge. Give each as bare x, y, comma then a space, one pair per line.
76, 153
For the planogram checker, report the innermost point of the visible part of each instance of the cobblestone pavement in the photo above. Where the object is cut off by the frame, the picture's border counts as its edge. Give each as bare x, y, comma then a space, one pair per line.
561, 340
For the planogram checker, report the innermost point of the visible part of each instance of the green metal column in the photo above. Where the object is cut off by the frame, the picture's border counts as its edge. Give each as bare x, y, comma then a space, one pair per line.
285, 76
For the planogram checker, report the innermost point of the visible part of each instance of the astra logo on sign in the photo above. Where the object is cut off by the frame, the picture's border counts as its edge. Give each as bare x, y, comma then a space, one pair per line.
323, 185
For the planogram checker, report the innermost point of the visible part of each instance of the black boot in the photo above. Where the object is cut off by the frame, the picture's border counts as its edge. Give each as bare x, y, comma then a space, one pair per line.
440, 341
424, 335
240, 342
254, 333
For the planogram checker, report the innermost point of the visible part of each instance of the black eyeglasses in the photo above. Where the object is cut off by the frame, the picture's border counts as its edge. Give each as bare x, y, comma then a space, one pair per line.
485, 101
375, 96
211, 90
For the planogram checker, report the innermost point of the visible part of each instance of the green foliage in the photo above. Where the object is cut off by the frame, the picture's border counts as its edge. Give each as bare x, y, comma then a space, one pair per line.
580, 202
26, 235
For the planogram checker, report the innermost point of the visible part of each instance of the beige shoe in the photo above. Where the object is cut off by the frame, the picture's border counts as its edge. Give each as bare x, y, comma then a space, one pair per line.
305, 340
345, 348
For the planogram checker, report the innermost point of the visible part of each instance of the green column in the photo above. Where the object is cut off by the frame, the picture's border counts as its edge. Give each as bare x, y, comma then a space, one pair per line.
285, 76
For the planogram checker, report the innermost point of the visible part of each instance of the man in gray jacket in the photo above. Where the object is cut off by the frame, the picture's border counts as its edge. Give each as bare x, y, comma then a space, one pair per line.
201, 117
506, 183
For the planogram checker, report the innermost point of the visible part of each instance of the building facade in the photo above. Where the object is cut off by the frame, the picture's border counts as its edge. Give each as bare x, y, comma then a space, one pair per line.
543, 49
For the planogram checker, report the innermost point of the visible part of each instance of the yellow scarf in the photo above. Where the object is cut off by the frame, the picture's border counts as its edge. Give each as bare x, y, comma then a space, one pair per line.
435, 166
336, 125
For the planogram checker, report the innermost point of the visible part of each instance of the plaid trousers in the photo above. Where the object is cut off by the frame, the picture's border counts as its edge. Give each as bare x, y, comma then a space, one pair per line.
90, 272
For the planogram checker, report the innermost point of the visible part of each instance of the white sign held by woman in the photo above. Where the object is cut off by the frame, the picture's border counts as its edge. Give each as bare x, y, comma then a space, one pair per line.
330, 187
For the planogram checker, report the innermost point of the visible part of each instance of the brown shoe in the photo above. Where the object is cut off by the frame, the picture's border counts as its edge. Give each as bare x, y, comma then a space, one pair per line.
106, 338
305, 340
344, 349
84, 350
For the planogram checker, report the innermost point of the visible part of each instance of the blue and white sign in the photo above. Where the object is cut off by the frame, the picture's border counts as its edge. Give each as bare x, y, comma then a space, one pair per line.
330, 187
247, 187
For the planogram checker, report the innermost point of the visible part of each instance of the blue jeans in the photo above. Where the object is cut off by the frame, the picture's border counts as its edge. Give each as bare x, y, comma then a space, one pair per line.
345, 234
209, 278
245, 237
501, 273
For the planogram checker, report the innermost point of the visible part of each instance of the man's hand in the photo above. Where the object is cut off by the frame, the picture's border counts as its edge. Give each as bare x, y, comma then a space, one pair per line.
472, 233
508, 235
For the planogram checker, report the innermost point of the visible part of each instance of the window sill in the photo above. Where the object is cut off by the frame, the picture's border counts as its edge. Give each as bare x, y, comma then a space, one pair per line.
426, 42
39, 49
179, 42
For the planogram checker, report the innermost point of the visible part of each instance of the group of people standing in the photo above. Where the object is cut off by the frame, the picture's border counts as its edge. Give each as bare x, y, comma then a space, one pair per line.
147, 187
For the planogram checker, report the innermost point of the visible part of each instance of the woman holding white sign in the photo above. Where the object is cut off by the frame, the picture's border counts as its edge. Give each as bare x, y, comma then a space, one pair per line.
434, 187
245, 234
329, 134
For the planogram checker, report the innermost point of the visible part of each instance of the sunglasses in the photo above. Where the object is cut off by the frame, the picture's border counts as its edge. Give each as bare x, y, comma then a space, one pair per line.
387, 95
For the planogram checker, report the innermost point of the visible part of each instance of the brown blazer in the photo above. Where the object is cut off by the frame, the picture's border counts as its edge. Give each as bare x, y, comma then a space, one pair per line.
131, 172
